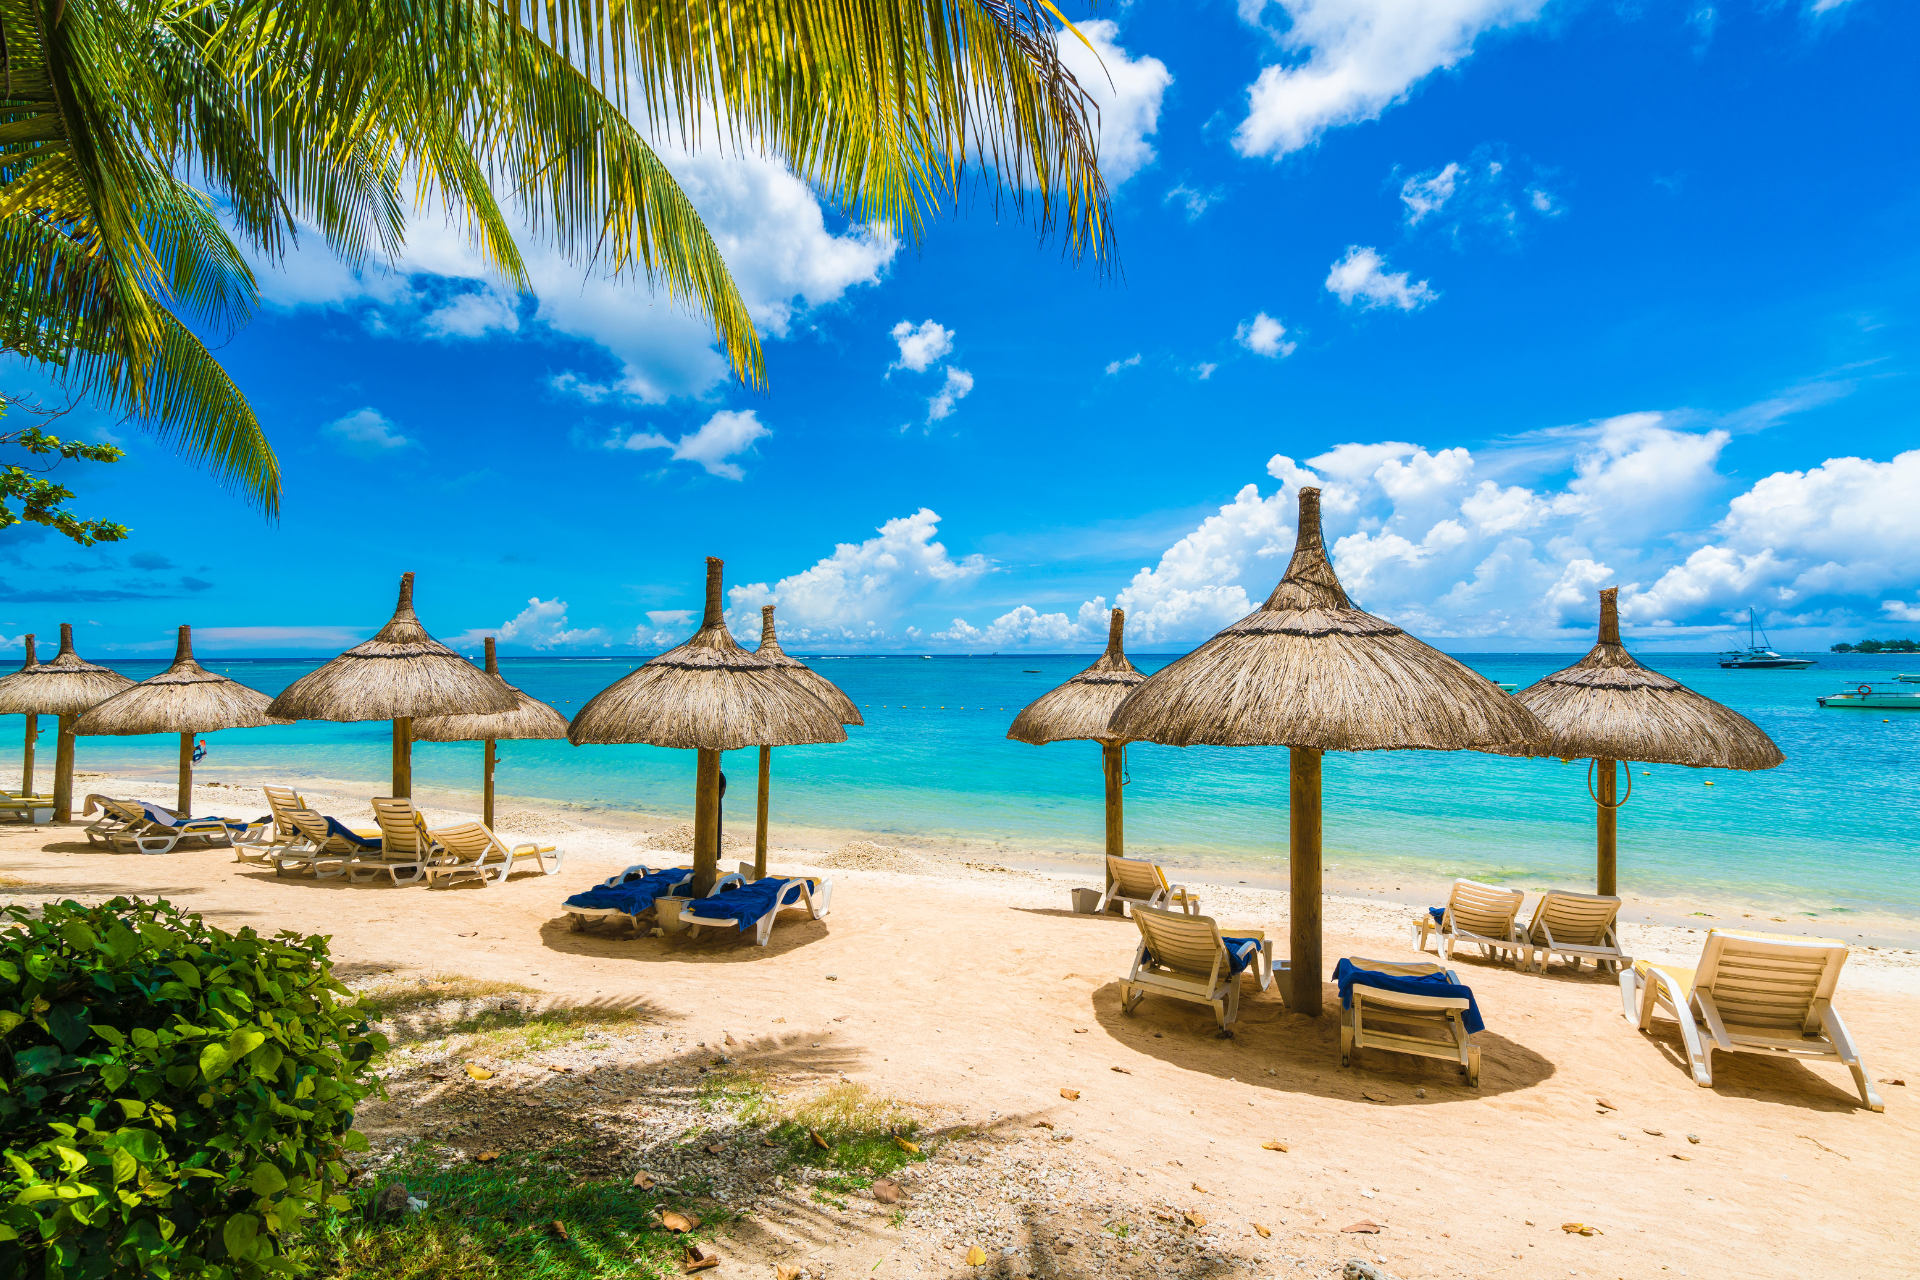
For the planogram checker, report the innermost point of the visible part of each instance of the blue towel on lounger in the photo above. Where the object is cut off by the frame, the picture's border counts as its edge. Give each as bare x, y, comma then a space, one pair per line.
1347, 974
1439, 914
366, 844
632, 896
156, 814
747, 902
1240, 953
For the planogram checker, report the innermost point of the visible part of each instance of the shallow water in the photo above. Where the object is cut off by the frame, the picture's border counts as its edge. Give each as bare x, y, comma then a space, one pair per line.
1835, 827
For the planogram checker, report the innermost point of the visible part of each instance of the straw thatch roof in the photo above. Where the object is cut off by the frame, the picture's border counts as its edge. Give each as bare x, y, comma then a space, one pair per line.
709, 694
1307, 669
185, 698
1608, 707
810, 680
402, 671
530, 717
64, 685
1081, 707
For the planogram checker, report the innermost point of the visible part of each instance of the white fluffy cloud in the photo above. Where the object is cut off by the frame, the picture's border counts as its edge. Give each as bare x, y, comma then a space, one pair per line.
860, 592
1115, 366
958, 384
1361, 276
920, 344
725, 435
366, 432
769, 227
1848, 527
1264, 336
1349, 60
1484, 192
1127, 90
1024, 627
541, 625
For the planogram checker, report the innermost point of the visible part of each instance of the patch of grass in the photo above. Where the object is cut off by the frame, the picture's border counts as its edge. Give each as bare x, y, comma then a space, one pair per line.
497, 1222
387, 1000
501, 1032
868, 1135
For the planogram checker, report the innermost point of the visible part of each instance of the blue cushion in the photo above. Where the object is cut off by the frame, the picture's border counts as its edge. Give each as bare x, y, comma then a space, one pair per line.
1347, 975
631, 896
369, 844
156, 814
746, 903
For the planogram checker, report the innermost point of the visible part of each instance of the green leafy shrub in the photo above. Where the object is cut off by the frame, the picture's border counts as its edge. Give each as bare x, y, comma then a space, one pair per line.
174, 1099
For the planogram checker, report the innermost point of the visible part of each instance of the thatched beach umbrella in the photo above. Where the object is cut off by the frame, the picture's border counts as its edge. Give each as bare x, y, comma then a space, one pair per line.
63, 686
813, 682
1080, 709
32, 727
1607, 708
399, 674
530, 718
1308, 671
186, 699
707, 696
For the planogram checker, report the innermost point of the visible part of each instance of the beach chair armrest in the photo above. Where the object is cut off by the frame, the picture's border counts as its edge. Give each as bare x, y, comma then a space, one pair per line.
1710, 1014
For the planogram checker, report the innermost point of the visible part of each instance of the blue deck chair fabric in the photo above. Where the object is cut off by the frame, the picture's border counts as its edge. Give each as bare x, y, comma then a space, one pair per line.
369, 844
1346, 974
748, 902
633, 896
156, 814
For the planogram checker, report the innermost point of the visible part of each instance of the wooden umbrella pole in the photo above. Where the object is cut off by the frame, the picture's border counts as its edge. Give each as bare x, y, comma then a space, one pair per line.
760, 819
486, 787
403, 757
33, 732
1110, 759
1606, 823
183, 802
63, 771
1303, 873
706, 823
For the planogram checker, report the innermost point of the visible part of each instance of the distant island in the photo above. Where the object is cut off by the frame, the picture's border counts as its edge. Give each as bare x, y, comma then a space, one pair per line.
1879, 646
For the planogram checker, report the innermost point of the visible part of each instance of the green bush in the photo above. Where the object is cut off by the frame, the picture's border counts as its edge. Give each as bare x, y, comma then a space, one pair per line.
175, 1099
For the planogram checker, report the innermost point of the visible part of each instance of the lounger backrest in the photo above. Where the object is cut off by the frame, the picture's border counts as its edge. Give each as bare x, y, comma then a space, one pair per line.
1406, 969
125, 810
469, 841
1770, 981
1483, 908
400, 826
1184, 943
1577, 919
313, 825
279, 801
1136, 878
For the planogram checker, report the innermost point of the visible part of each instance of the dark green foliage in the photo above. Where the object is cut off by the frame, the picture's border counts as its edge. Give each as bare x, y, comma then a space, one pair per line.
1879, 646
174, 1099
522, 1217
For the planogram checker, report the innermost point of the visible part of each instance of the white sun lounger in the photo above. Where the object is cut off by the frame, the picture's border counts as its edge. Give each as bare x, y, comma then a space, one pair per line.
131, 826
1140, 883
1579, 926
1364, 1024
1751, 993
407, 849
1481, 914
813, 896
318, 848
1188, 958
261, 841
585, 917
474, 852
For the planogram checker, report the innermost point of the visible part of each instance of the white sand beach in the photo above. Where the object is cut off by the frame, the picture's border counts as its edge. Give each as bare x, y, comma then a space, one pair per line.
969, 991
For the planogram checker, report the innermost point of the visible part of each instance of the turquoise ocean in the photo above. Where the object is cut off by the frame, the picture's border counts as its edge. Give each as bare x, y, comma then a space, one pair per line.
1835, 827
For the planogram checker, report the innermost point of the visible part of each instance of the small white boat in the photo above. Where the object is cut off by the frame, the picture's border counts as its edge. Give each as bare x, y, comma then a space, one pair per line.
1866, 698
1504, 687
1908, 677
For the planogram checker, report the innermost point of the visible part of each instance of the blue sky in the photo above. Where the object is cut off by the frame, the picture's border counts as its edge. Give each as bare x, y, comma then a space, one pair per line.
1548, 296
